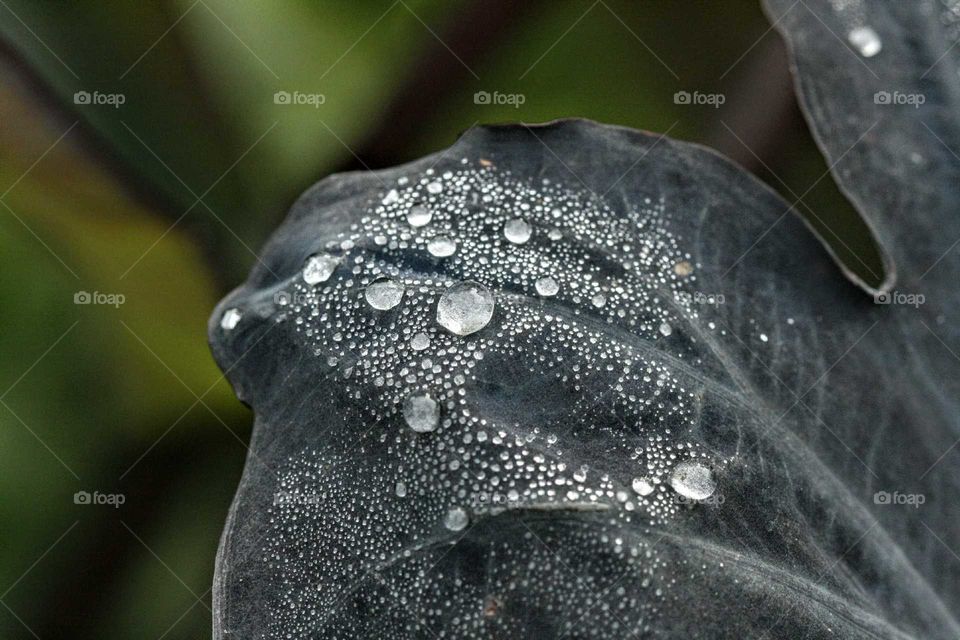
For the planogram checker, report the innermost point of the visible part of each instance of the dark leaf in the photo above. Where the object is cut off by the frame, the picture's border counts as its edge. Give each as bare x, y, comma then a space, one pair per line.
684, 440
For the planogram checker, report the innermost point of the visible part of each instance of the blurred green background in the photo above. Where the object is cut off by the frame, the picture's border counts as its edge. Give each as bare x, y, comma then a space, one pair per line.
143, 154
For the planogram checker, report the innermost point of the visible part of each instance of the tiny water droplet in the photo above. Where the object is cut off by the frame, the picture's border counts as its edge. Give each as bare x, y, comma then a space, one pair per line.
419, 342
642, 486
421, 412
456, 519
465, 308
665, 329
230, 318
441, 246
401, 489
319, 268
517, 231
693, 480
384, 294
866, 41
547, 286
419, 216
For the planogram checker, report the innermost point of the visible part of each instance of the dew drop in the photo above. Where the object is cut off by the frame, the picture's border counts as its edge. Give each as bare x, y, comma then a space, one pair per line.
401, 489
547, 286
421, 412
456, 519
441, 246
435, 187
230, 318
319, 268
693, 480
419, 216
865, 40
517, 231
419, 342
665, 329
642, 486
683, 268
598, 300
465, 308
384, 294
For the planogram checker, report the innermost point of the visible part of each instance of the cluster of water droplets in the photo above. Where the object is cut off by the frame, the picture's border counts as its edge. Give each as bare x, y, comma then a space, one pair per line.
440, 272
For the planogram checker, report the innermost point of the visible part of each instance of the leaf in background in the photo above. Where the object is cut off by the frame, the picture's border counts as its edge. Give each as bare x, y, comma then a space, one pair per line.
675, 421
879, 85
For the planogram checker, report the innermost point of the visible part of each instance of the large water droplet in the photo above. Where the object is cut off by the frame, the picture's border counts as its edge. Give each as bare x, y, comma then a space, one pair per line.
421, 412
465, 308
230, 318
401, 489
547, 286
441, 246
456, 519
384, 294
419, 216
665, 329
693, 480
517, 231
319, 268
642, 486
866, 41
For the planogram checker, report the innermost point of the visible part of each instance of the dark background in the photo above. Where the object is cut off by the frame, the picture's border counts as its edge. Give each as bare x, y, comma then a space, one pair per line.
166, 198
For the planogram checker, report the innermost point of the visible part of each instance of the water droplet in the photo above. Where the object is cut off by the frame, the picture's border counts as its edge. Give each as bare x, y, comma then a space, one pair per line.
547, 286
517, 231
764, 338
435, 187
419, 342
665, 329
683, 268
456, 520
421, 412
419, 216
642, 486
555, 234
391, 197
866, 41
465, 308
319, 268
598, 300
230, 318
693, 480
401, 489
384, 294
441, 246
